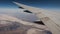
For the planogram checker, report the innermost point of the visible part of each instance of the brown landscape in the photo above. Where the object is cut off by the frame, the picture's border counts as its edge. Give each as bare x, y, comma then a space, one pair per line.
11, 25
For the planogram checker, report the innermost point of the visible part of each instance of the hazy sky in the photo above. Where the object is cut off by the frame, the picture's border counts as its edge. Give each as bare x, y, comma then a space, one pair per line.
45, 4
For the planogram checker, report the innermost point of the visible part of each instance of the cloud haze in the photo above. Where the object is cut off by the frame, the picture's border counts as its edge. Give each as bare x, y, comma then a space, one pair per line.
18, 13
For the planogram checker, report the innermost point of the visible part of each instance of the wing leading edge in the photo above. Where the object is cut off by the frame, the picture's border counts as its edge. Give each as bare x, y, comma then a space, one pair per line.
50, 19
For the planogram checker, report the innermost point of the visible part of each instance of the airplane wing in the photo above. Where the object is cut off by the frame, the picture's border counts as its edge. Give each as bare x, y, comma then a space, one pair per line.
49, 18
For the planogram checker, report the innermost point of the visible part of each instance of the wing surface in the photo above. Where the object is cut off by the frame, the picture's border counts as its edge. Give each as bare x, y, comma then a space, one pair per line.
49, 18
